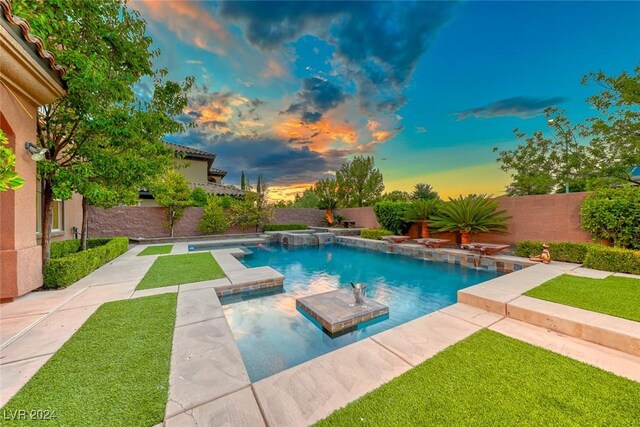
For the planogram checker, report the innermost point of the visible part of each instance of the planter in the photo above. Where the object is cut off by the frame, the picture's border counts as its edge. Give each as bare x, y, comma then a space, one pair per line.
465, 237
425, 230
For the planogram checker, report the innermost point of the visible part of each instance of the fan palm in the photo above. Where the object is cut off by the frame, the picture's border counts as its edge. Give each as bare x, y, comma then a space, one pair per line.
421, 211
469, 215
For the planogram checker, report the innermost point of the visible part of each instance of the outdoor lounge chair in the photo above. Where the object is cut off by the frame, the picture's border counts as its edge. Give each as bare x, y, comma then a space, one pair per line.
432, 243
396, 239
485, 248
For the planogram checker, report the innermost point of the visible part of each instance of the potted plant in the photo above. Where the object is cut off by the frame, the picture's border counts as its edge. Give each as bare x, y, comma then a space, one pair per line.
469, 215
421, 211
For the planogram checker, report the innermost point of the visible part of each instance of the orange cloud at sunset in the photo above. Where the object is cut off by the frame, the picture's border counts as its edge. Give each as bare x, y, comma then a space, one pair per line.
287, 192
188, 21
320, 135
273, 69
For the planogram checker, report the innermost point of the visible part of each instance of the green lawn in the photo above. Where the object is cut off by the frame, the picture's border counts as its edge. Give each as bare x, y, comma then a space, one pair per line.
490, 379
617, 296
156, 250
172, 270
113, 371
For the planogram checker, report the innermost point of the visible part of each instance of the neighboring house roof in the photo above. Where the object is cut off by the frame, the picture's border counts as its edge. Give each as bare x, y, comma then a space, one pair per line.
218, 189
21, 31
190, 152
217, 172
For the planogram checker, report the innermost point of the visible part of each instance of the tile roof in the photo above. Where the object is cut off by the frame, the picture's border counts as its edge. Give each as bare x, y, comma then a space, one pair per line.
189, 151
217, 171
22, 28
218, 189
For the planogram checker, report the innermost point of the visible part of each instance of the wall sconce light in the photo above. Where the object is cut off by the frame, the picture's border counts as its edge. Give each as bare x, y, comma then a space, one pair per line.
37, 153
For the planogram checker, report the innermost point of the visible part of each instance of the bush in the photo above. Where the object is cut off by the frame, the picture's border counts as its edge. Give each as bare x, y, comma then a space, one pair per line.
64, 248
225, 201
391, 216
214, 219
560, 251
613, 259
613, 214
199, 197
65, 270
374, 233
283, 227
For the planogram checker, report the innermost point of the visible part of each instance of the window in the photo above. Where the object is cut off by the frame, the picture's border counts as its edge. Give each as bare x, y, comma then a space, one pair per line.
57, 223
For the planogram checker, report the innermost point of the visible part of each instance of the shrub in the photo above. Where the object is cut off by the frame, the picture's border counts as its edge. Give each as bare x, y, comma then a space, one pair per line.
65, 270
225, 201
283, 227
64, 248
613, 259
199, 197
560, 251
374, 233
391, 216
469, 215
214, 219
613, 214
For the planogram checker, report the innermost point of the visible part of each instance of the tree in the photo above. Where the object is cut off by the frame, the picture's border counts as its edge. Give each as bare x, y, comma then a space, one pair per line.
327, 192
542, 164
615, 134
172, 192
392, 216
250, 211
214, 219
424, 192
421, 211
9, 179
469, 215
199, 197
359, 182
396, 196
308, 199
99, 124
613, 214
242, 181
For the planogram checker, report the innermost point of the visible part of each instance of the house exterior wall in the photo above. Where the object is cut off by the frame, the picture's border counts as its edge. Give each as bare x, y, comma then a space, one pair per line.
195, 170
25, 86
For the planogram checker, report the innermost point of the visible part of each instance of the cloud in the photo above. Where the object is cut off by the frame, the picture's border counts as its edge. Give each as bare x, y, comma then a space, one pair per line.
520, 106
273, 69
188, 22
316, 97
320, 135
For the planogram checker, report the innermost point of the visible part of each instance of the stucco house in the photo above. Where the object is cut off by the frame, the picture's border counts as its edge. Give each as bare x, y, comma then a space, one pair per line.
29, 78
197, 166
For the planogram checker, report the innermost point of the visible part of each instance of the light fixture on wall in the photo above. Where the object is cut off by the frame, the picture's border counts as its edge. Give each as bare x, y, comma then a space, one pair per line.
37, 153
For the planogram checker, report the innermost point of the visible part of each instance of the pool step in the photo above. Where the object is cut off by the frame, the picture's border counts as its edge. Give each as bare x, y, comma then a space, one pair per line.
603, 357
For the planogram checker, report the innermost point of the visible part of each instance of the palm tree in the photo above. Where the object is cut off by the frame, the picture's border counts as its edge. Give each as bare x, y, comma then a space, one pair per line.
469, 215
421, 211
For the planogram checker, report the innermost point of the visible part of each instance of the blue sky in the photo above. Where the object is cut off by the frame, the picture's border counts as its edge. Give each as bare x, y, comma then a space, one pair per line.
292, 90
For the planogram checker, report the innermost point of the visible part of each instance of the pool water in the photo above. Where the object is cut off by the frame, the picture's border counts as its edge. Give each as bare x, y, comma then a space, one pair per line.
273, 335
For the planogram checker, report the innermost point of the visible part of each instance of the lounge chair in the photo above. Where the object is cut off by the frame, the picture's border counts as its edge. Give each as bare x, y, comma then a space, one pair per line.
485, 248
396, 239
433, 243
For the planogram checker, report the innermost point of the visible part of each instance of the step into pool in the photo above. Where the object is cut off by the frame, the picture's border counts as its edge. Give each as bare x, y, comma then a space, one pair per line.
273, 335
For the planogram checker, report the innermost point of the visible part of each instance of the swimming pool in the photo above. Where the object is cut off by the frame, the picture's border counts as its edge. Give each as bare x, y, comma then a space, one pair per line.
273, 335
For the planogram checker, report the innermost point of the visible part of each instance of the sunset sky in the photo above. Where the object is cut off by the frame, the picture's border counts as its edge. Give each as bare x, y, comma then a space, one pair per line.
292, 90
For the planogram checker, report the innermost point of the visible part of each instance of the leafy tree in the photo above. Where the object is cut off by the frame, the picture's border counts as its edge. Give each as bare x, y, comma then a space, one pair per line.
615, 134
250, 211
327, 192
308, 199
613, 214
214, 219
359, 182
424, 192
396, 196
172, 192
421, 211
99, 124
469, 215
542, 164
199, 197
392, 216
9, 179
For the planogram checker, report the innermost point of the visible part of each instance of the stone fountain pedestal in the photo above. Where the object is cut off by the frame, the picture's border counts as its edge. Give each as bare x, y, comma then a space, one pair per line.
336, 310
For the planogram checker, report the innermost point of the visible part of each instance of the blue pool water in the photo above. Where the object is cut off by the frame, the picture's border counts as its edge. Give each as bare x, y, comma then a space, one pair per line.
273, 335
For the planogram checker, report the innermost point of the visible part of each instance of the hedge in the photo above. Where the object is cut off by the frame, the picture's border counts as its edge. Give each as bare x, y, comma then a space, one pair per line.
64, 270
560, 251
284, 227
390, 216
374, 233
613, 259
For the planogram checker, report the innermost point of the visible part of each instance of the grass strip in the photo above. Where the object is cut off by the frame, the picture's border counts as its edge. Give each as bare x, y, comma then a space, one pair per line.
113, 371
156, 250
173, 270
616, 296
491, 379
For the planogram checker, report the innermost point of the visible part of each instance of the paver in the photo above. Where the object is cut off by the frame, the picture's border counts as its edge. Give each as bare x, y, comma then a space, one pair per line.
13, 376
590, 273
155, 291
13, 326
198, 306
101, 294
472, 314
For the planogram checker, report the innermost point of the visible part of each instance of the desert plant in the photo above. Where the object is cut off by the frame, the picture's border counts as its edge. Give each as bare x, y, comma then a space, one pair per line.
421, 211
470, 215
613, 214
391, 216
214, 220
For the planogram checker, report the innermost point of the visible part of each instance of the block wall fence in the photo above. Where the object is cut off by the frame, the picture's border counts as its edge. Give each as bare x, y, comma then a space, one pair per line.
551, 218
